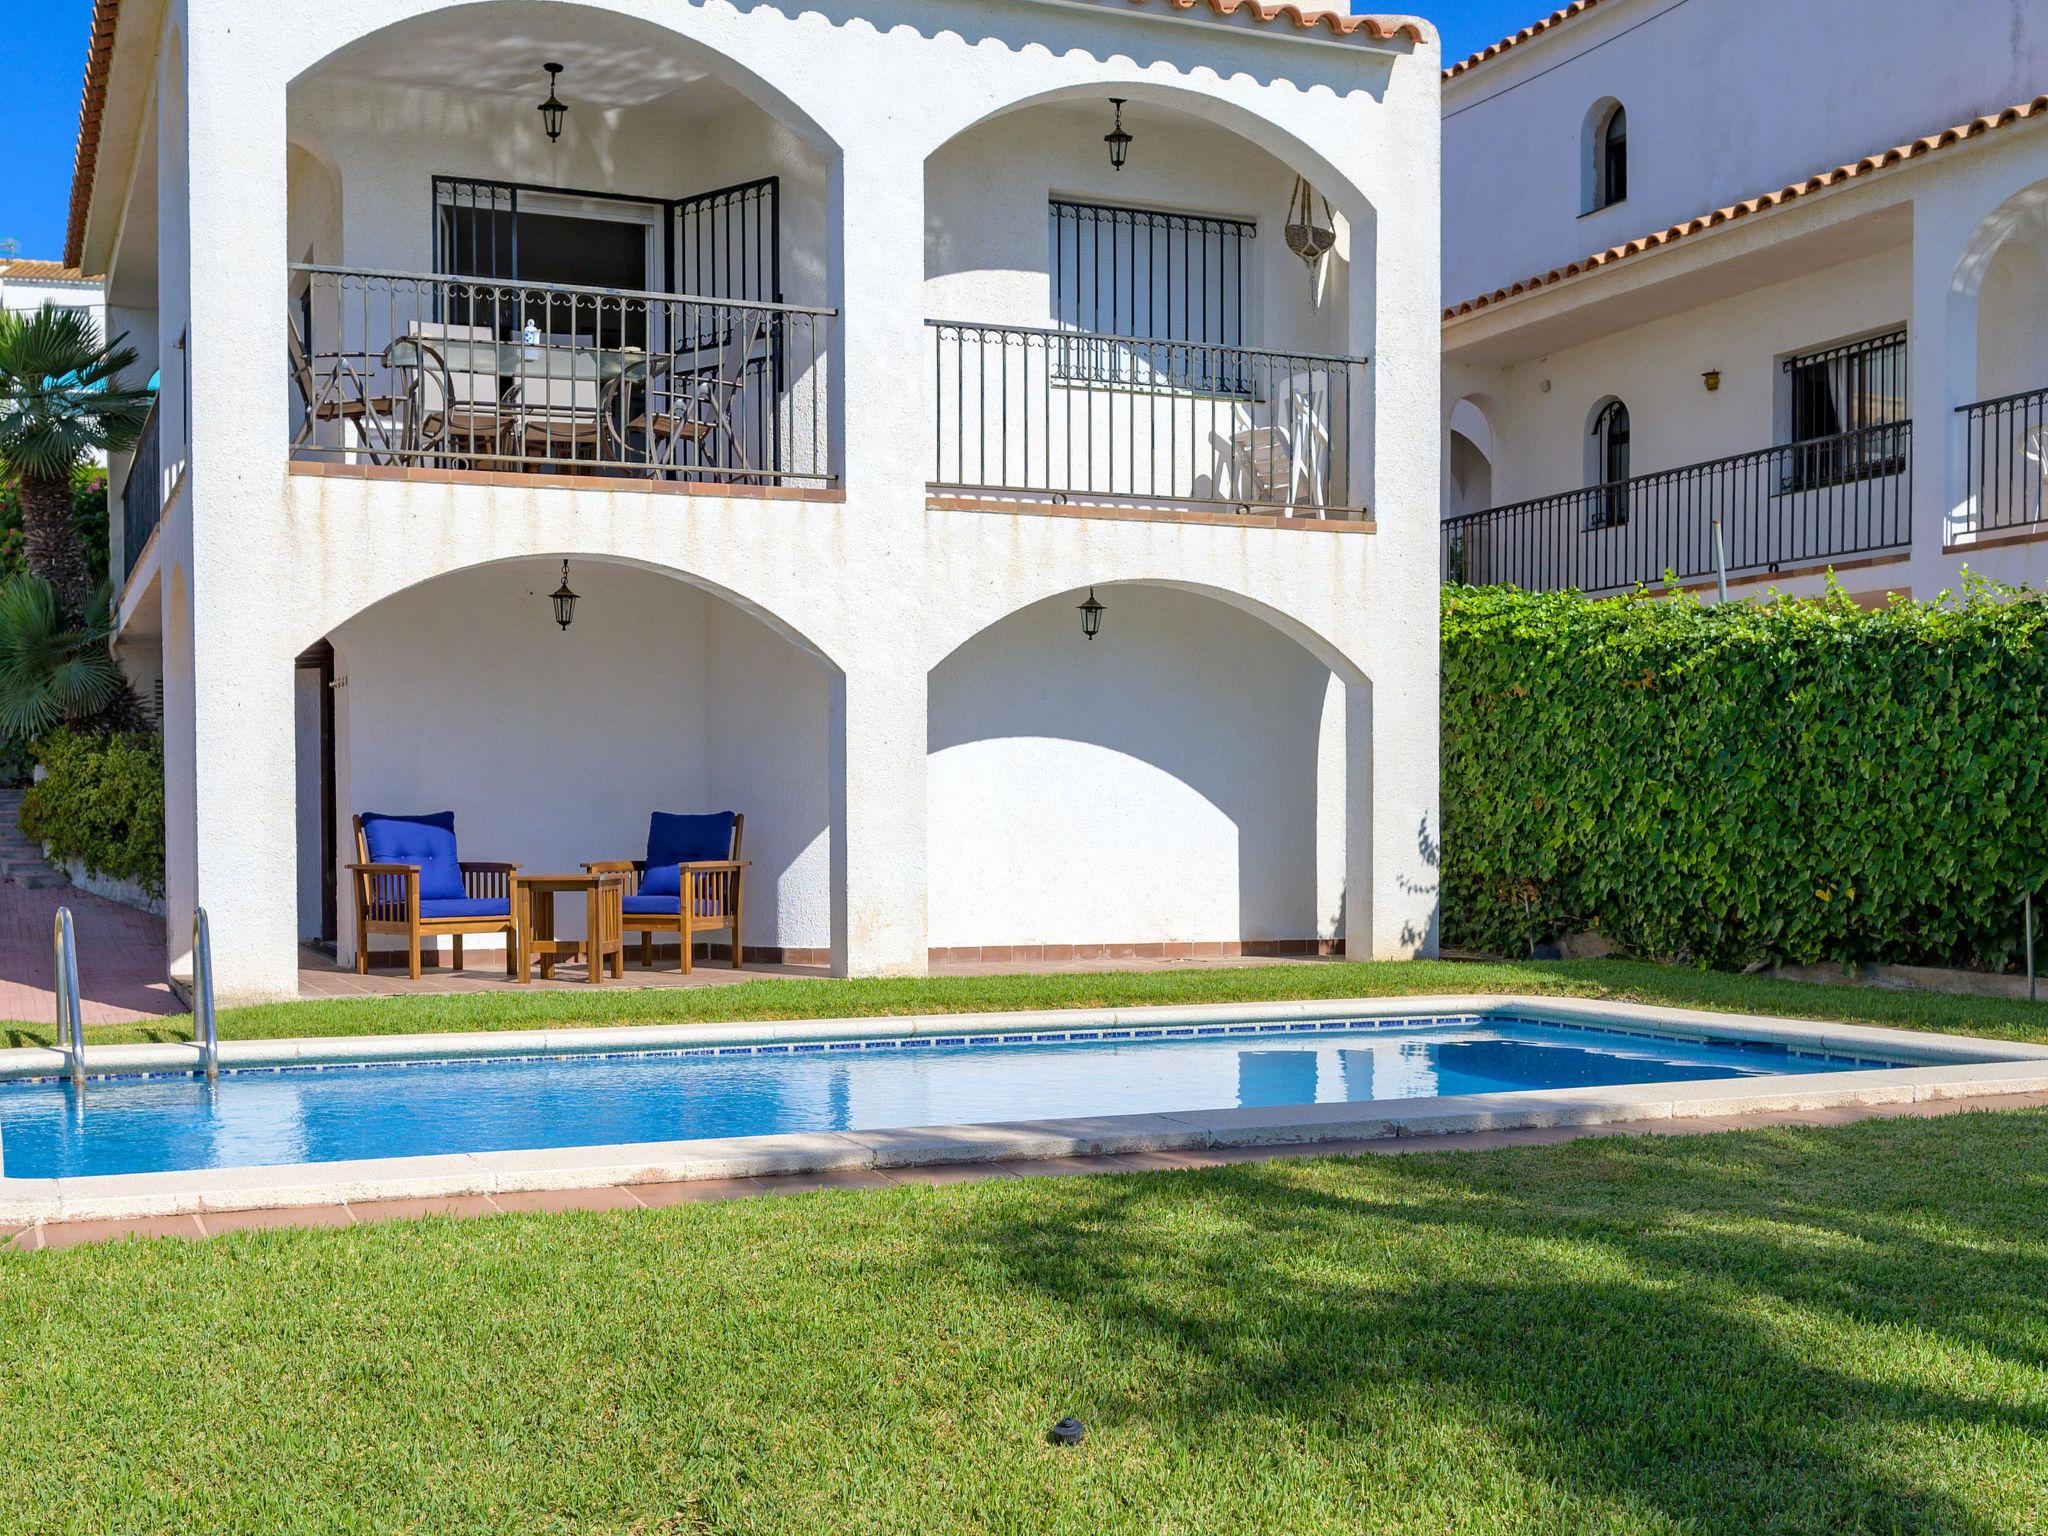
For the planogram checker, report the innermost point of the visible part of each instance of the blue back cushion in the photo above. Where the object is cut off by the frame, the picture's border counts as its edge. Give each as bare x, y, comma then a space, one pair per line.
428, 841
673, 840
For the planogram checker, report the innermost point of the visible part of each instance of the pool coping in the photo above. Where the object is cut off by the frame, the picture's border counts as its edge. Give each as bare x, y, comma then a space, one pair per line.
1946, 1067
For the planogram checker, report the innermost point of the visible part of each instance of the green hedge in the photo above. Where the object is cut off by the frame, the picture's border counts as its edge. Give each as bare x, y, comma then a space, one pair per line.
101, 801
1782, 781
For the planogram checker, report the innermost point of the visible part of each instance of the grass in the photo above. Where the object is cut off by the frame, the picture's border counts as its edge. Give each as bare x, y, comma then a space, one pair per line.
801, 998
1781, 1330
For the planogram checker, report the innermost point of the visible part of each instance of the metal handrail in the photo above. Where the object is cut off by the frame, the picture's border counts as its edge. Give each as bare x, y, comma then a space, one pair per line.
570, 289
70, 1017
205, 1023
1057, 334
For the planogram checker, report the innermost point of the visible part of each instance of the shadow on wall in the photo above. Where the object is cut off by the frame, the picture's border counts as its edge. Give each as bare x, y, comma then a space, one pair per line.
1158, 784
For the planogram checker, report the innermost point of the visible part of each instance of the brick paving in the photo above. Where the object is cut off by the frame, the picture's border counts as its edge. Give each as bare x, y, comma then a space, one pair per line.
121, 959
624, 1197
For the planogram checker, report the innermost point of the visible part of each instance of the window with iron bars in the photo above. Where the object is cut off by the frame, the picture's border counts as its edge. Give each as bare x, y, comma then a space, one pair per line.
1159, 298
1848, 412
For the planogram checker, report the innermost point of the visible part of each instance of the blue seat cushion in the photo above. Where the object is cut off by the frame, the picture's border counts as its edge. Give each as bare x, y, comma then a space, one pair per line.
674, 840
428, 841
644, 905
466, 906
655, 906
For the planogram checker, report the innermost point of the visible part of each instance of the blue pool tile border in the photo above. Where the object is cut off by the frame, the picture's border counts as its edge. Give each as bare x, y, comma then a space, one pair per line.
1026, 1039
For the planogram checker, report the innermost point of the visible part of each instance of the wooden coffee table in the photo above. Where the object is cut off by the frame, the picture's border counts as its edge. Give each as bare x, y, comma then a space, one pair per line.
533, 924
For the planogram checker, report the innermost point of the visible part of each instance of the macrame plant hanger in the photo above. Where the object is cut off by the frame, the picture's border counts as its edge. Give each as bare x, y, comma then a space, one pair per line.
1308, 239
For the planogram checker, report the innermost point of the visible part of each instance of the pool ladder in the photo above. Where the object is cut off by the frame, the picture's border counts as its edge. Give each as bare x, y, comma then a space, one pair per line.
71, 1016
205, 1026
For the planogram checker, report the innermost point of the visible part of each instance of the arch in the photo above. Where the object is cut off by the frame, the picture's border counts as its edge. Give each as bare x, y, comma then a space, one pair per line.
1608, 466
1603, 156
1470, 459
663, 694
953, 631
1180, 779
572, 28
417, 571
2000, 297
1349, 199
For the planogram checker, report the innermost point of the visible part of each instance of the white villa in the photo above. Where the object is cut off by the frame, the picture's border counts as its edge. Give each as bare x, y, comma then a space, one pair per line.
1776, 267
842, 350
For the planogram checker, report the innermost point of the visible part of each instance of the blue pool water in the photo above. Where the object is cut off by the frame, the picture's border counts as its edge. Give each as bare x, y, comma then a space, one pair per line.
310, 1115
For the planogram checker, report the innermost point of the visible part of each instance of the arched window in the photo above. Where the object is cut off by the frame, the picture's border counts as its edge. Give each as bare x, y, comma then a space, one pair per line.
1608, 505
1605, 165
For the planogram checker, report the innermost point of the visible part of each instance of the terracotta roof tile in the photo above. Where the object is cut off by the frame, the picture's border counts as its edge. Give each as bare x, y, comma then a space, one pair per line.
1896, 155
44, 271
1534, 29
1379, 28
99, 58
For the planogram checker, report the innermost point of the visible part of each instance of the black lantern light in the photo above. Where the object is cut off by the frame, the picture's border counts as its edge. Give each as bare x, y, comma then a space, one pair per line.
1118, 141
552, 111
564, 599
1091, 616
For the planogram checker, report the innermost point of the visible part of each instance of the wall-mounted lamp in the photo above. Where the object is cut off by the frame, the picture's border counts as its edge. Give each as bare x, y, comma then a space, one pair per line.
1712, 378
1118, 141
564, 599
1091, 616
552, 111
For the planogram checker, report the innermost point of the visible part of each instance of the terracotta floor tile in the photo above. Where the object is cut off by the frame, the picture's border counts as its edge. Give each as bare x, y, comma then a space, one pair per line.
217, 1222
70, 1234
1050, 1166
608, 1198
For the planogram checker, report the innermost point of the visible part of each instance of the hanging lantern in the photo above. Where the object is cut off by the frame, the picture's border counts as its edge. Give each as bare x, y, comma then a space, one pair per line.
1308, 239
1118, 141
1091, 616
564, 599
552, 111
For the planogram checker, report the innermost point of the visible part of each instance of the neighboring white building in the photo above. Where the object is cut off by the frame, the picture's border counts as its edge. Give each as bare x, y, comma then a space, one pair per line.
1784, 264
29, 285
947, 371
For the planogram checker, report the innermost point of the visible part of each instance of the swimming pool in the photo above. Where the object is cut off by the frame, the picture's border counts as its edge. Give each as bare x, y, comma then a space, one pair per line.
265, 1116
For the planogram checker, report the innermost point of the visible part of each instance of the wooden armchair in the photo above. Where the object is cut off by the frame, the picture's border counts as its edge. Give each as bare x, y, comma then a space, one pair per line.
417, 887
675, 869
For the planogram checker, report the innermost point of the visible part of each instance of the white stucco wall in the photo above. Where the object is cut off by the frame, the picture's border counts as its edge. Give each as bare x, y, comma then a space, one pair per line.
553, 746
1159, 784
874, 587
1726, 99
1540, 410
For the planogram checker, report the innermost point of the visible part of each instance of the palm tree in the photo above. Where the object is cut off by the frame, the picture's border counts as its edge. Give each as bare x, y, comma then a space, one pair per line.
58, 404
55, 670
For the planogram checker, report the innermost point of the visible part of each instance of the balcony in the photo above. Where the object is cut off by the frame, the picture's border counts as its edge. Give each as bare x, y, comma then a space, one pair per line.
398, 369
142, 495
2006, 464
1076, 417
1797, 504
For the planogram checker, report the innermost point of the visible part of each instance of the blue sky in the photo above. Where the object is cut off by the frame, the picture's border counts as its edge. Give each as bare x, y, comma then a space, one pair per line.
42, 65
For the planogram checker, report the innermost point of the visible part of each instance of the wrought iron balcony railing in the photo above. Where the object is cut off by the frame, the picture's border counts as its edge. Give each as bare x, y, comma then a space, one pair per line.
456, 372
1795, 504
2006, 463
1075, 416
142, 496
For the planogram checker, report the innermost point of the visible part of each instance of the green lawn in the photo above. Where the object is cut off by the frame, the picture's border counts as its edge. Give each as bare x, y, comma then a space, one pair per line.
1837, 1330
786, 998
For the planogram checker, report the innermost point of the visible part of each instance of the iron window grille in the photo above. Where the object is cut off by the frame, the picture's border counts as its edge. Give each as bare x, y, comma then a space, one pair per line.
1124, 277
1848, 410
